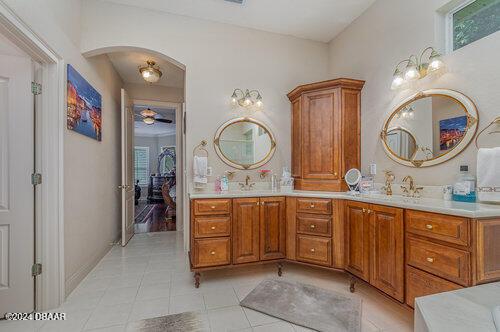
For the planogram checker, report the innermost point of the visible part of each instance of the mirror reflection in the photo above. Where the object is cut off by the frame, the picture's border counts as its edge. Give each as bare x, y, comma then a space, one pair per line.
426, 128
244, 143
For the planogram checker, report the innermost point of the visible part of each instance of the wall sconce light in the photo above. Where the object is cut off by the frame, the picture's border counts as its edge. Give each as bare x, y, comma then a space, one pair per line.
247, 98
416, 68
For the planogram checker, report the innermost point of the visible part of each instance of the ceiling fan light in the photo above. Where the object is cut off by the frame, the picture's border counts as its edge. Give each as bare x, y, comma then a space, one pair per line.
148, 113
148, 120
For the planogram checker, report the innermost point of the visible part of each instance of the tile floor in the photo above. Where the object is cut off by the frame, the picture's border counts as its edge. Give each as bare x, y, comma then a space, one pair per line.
150, 277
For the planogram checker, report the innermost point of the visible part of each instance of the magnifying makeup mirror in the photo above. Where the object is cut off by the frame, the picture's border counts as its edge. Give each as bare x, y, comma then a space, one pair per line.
352, 178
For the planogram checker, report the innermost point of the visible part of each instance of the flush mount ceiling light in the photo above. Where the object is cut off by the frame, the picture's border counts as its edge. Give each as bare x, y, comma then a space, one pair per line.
148, 113
416, 68
148, 116
150, 73
247, 98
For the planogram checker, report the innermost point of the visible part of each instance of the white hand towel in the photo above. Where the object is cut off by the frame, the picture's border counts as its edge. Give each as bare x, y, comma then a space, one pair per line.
488, 175
200, 165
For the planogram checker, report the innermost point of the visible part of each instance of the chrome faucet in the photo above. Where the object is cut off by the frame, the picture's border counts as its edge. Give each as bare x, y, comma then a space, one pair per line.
247, 185
410, 191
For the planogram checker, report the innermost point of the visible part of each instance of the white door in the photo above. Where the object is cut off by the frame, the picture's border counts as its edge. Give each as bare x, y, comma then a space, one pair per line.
16, 190
127, 186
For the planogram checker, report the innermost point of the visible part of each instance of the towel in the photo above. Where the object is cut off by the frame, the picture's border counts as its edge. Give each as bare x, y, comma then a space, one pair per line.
200, 165
488, 175
496, 317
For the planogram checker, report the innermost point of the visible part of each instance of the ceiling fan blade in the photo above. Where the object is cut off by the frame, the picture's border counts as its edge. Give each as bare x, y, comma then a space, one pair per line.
164, 120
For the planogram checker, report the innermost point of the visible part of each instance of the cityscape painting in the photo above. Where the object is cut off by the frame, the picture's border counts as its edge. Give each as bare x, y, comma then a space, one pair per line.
84, 113
451, 132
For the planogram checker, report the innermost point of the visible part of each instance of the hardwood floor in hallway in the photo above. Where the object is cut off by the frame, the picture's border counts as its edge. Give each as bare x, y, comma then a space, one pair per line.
150, 277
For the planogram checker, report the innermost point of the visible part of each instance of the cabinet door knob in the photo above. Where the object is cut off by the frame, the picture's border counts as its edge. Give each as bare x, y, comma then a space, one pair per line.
335, 174
312, 250
313, 226
364, 210
212, 253
430, 259
429, 226
213, 227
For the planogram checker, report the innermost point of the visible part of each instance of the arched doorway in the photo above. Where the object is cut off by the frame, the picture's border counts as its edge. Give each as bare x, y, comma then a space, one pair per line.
176, 103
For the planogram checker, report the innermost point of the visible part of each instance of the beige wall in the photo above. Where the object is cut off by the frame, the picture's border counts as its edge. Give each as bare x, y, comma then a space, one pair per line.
91, 168
155, 92
390, 31
218, 59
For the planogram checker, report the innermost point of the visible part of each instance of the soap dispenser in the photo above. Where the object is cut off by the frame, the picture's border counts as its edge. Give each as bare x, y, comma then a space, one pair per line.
464, 190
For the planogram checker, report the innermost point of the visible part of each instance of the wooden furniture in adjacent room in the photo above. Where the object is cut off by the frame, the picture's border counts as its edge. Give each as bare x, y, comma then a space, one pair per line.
325, 133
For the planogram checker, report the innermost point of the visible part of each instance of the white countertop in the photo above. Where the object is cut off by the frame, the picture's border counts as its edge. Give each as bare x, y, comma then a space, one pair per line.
464, 310
469, 210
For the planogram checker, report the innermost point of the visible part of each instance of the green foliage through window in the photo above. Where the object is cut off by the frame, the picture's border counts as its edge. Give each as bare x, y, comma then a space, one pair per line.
475, 21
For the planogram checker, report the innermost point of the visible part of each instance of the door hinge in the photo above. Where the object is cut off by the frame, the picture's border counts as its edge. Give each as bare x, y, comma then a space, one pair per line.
36, 88
36, 179
36, 269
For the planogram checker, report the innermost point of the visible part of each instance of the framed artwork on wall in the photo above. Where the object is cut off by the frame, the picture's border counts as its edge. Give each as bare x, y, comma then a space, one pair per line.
451, 132
84, 106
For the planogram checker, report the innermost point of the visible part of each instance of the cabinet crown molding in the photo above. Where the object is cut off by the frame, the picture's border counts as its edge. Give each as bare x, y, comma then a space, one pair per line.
339, 82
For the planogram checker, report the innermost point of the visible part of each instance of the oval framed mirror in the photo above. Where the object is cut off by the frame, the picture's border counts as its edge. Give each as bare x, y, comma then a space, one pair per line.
244, 143
429, 128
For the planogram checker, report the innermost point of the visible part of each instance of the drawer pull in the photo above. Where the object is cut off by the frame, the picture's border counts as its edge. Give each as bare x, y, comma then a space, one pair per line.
213, 227
212, 207
312, 206
430, 259
212, 253
335, 174
312, 250
313, 226
429, 226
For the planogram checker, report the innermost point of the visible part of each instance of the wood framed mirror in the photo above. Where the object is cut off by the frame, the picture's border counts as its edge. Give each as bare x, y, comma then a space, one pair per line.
429, 128
244, 143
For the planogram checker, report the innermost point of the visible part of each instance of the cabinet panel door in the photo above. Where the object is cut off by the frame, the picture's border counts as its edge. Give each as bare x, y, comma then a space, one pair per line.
357, 251
387, 260
296, 139
272, 228
320, 135
245, 230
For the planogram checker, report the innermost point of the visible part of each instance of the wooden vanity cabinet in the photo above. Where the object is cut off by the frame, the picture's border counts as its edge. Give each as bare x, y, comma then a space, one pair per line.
375, 246
325, 133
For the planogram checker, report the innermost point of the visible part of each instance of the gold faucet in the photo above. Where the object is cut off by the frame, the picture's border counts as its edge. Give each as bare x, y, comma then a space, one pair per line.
389, 178
247, 185
412, 191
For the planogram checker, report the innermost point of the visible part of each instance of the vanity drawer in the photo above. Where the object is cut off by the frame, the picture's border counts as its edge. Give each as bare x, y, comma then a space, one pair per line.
314, 224
212, 252
314, 205
450, 263
420, 283
212, 226
314, 249
437, 226
212, 206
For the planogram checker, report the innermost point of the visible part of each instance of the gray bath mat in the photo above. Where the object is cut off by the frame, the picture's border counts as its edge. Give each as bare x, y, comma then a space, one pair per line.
306, 305
187, 321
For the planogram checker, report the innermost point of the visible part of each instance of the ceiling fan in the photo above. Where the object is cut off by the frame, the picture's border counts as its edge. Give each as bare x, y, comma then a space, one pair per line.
148, 116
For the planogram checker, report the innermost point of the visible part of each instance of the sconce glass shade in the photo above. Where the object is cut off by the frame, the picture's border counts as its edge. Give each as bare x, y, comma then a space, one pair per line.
247, 98
397, 80
148, 120
150, 73
435, 62
411, 72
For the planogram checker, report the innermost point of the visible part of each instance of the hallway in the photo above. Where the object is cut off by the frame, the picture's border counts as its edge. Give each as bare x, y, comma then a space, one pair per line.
150, 278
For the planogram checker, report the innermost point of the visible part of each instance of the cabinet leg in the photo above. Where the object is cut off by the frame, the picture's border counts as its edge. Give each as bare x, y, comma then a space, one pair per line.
352, 284
280, 269
197, 280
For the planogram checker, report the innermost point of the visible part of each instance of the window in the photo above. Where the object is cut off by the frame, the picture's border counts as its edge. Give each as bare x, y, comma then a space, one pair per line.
141, 163
472, 21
